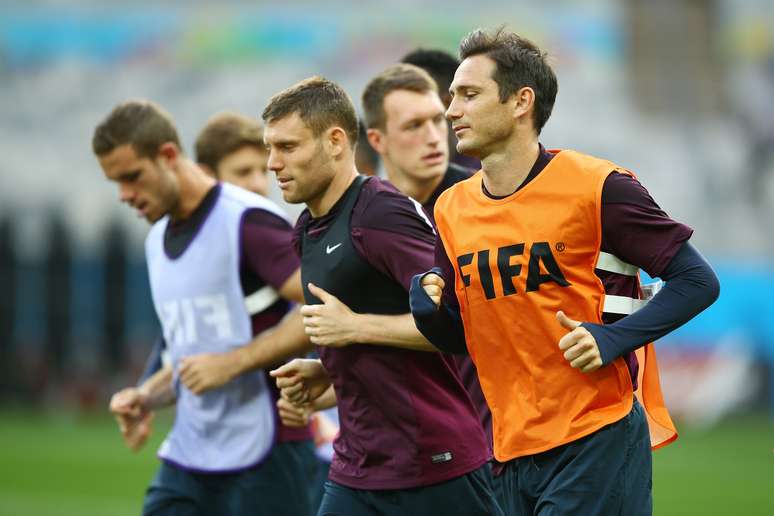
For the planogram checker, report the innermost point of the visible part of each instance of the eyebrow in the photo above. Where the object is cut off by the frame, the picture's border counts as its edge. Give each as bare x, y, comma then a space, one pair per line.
125, 174
460, 87
287, 141
422, 118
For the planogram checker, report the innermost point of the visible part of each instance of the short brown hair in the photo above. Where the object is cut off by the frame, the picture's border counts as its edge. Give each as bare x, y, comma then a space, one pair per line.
519, 63
141, 123
320, 104
401, 76
225, 133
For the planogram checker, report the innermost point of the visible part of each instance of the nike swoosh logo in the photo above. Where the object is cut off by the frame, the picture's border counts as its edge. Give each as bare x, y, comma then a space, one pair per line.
329, 249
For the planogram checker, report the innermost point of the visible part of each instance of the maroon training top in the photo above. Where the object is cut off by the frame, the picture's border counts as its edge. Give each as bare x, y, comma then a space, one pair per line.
406, 419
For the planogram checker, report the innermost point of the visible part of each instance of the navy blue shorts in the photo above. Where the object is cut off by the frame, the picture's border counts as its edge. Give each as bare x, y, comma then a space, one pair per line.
467, 495
278, 485
606, 473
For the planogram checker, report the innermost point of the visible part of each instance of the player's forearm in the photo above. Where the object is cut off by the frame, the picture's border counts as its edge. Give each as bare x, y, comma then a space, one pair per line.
326, 400
157, 390
441, 325
397, 331
691, 286
285, 341
154, 363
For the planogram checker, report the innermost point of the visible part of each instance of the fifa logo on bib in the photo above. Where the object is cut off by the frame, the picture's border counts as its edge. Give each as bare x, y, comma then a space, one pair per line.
540, 259
184, 319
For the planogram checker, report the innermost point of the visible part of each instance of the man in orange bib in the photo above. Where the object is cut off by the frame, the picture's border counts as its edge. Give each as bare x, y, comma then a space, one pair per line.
537, 278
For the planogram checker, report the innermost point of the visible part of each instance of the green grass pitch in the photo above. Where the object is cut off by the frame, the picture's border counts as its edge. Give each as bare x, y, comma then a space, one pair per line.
59, 464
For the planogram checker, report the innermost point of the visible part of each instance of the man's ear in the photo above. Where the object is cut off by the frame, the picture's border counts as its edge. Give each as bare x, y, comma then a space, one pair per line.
523, 102
376, 140
337, 140
169, 152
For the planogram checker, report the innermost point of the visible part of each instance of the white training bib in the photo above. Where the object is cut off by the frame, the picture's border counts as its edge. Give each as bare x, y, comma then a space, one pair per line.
199, 300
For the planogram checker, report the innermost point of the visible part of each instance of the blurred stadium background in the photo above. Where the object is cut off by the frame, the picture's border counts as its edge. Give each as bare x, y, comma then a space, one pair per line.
680, 91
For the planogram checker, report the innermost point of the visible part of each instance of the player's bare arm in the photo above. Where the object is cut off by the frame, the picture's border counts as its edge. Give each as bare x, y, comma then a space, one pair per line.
201, 373
207, 371
326, 400
333, 324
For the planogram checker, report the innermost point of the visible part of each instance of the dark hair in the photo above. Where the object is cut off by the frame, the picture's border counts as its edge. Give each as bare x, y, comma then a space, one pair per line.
141, 123
226, 133
400, 76
439, 64
319, 102
519, 63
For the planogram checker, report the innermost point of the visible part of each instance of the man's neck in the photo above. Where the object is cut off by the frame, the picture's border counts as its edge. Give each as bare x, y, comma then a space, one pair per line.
336, 189
418, 189
506, 169
194, 185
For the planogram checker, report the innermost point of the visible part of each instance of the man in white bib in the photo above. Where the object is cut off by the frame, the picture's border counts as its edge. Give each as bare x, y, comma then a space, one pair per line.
225, 453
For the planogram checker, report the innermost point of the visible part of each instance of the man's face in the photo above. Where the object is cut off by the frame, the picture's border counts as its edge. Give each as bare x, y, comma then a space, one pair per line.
414, 140
246, 167
147, 185
479, 120
303, 168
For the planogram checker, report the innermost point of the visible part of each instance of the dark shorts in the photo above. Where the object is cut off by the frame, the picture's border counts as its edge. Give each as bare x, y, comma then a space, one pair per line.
278, 485
467, 495
606, 473
497, 483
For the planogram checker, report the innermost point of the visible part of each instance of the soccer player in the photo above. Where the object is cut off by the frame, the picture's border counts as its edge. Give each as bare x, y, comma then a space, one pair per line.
407, 127
410, 441
538, 257
210, 244
230, 148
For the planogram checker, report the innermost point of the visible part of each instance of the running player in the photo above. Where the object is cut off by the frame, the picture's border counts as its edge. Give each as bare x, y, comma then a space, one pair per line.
210, 244
407, 127
539, 255
410, 442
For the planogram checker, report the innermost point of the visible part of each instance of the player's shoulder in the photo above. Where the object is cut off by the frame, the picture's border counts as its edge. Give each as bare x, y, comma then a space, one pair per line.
381, 205
621, 187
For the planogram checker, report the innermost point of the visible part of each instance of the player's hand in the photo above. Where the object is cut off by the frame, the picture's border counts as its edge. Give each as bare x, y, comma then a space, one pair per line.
293, 415
433, 285
330, 324
201, 373
301, 380
134, 418
579, 346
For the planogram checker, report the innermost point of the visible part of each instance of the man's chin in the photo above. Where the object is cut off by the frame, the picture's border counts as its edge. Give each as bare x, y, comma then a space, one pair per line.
292, 197
468, 149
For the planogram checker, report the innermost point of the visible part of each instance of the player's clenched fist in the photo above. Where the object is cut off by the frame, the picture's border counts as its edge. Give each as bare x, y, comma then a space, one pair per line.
293, 415
433, 285
134, 418
579, 346
301, 380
